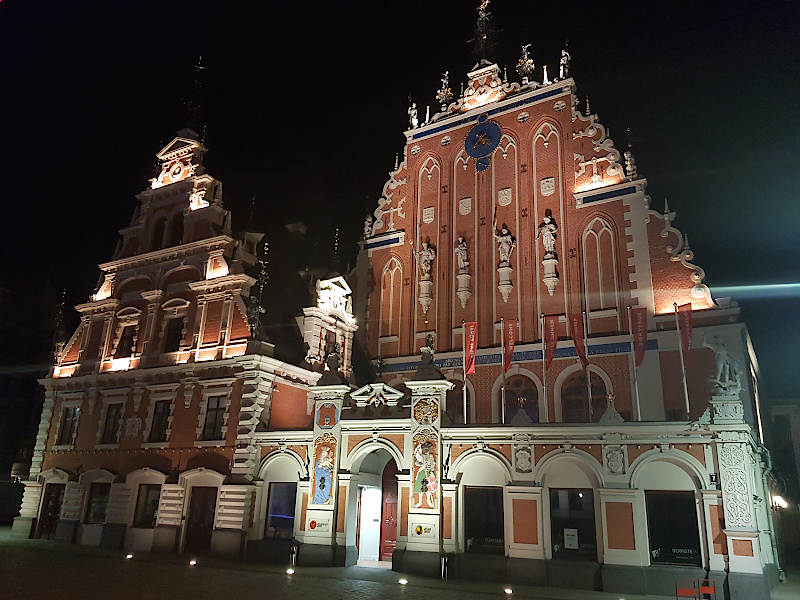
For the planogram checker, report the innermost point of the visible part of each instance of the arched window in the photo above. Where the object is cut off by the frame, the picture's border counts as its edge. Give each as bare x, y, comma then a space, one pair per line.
391, 290
521, 395
575, 398
599, 267
158, 234
176, 230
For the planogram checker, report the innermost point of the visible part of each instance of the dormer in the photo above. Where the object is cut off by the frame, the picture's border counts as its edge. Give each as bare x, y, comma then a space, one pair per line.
180, 159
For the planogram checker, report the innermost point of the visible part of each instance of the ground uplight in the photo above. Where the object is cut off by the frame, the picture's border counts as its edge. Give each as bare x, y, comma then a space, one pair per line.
290, 571
192, 563
403, 581
129, 556
508, 591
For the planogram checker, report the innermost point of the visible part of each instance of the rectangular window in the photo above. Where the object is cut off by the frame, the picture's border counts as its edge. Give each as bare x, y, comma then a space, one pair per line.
147, 506
68, 425
98, 503
111, 426
125, 345
158, 431
214, 418
174, 335
280, 511
572, 524
483, 520
672, 528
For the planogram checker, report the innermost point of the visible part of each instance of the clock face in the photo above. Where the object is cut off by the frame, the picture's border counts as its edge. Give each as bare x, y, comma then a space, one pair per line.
482, 163
483, 138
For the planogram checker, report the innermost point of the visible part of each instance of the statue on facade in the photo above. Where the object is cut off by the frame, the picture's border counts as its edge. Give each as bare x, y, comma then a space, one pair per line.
563, 65
413, 120
726, 377
367, 226
505, 242
547, 231
461, 255
426, 256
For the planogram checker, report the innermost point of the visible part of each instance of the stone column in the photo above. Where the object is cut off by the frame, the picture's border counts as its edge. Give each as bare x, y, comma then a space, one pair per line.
424, 545
319, 543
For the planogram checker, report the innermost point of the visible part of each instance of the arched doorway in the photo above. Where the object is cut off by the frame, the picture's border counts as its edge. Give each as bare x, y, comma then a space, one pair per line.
377, 509
521, 394
576, 394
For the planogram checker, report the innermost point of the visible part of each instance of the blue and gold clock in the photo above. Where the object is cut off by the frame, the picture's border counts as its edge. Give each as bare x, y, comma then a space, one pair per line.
483, 138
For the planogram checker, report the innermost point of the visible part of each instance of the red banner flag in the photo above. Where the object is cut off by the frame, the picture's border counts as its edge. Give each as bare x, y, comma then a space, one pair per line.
639, 333
470, 346
550, 338
509, 339
684, 312
576, 330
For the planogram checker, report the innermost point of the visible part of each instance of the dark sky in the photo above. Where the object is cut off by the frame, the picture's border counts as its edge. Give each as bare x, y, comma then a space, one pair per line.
306, 102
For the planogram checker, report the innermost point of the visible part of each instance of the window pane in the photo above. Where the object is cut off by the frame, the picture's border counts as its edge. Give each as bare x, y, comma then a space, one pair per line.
173, 335
280, 511
111, 427
521, 394
214, 418
125, 346
158, 432
68, 426
572, 524
98, 503
147, 506
672, 527
483, 520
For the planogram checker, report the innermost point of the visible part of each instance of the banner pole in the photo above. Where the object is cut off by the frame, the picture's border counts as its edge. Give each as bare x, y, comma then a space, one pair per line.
544, 368
683, 363
635, 370
588, 372
464, 364
503, 366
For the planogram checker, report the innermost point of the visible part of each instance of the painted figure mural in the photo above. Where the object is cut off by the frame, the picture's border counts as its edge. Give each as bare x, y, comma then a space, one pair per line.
324, 456
426, 483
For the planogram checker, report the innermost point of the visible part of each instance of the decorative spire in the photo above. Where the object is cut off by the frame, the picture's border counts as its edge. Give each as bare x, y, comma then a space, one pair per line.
396, 161
588, 110
59, 332
666, 206
192, 106
525, 65
483, 41
630, 161
336, 247
255, 308
445, 95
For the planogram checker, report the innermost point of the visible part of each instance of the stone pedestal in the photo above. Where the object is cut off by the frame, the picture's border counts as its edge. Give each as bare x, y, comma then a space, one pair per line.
425, 295
550, 278
504, 280
463, 292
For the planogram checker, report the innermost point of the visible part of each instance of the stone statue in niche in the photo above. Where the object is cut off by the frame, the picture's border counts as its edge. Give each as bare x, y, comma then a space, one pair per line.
548, 232
726, 378
563, 65
461, 255
426, 256
505, 243
413, 120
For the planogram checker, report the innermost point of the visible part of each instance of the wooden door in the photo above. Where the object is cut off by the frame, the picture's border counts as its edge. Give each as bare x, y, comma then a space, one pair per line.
200, 522
389, 511
51, 508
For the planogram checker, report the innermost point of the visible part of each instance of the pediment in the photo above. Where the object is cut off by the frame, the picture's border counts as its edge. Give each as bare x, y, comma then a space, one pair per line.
177, 148
377, 394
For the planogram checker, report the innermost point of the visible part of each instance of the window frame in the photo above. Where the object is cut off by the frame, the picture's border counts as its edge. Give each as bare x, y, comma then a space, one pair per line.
158, 393
70, 402
219, 388
91, 498
146, 488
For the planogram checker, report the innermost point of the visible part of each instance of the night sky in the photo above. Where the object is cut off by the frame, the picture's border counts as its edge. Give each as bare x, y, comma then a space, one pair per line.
305, 104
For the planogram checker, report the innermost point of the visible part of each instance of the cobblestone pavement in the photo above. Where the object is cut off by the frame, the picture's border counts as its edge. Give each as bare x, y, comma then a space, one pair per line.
38, 569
